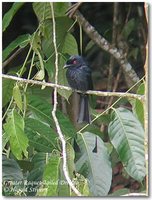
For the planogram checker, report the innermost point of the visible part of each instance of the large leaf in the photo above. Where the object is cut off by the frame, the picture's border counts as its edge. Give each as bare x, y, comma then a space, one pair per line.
51, 176
43, 10
35, 176
11, 170
62, 80
7, 90
14, 128
70, 45
95, 166
41, 110
61, 33
42, 137
21, 41
127, 136
10, 14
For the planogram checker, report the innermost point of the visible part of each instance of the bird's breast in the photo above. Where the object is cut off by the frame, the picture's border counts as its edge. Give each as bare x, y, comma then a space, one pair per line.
77, 79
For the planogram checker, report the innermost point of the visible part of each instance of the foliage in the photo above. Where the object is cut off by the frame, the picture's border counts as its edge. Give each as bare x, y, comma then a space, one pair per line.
32, 154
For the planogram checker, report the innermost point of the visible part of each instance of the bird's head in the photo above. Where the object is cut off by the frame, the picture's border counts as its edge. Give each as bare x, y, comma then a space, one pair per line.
74, 61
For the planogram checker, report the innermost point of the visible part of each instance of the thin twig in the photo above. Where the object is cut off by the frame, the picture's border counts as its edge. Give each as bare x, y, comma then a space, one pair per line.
115, 85
63, 141
93, 92
114, 35
7, 108
6, 62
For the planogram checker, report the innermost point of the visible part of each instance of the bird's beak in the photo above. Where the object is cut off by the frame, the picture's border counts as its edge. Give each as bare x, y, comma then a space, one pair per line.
66, 66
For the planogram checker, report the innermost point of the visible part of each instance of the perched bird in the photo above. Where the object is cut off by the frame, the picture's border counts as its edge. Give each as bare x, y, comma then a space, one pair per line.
79, 77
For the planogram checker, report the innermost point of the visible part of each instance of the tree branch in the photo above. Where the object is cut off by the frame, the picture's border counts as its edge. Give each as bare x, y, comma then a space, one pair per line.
93, 92
61, 136
105, 45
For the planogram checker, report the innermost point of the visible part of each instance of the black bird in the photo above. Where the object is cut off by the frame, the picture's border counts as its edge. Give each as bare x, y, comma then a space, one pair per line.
79, 77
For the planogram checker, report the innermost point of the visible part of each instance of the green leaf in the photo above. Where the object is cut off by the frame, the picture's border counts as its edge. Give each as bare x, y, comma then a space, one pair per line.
81, 185
11, 170
95, 166
127, 136
89, 45
70, 45
70, 159
138, 107
42, 137
7, 90
5, 139
60, 8
61, 32
21, 41
43, 10
10, 14
17, 96
41, 110
37, 91
14, 128
62, 80
51, 175
35, 176
128, 28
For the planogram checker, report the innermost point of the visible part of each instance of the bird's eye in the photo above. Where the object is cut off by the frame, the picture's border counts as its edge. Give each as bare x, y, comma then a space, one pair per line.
74, 62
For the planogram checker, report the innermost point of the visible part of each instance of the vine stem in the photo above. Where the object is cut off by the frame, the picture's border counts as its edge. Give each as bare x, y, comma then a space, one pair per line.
63, 141
29, 74
7, 109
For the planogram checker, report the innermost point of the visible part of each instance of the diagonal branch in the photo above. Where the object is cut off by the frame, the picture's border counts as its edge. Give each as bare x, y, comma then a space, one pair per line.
105, 45
6, 62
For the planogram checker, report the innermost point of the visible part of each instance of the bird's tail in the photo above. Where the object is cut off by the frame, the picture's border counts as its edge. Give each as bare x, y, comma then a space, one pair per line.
84, 115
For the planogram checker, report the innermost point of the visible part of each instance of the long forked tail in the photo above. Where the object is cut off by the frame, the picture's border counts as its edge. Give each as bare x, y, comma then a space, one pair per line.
84, 115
